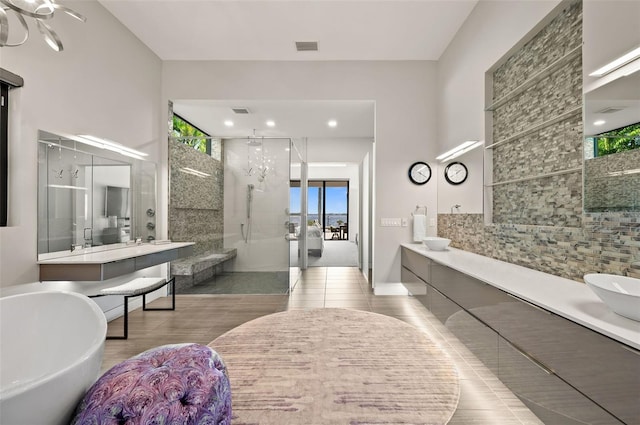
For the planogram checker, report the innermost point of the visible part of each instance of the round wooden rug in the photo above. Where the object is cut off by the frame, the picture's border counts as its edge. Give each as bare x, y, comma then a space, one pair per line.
336, 366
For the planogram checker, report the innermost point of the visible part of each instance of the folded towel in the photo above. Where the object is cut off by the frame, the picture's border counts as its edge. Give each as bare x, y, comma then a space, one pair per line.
419, 227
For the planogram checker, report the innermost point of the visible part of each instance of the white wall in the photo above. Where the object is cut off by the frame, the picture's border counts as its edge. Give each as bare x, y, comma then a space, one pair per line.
104, 83
404, 93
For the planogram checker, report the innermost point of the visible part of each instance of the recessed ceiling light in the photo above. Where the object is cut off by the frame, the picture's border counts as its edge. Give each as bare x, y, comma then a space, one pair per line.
271, 123
228, 123
332, 123
599, 122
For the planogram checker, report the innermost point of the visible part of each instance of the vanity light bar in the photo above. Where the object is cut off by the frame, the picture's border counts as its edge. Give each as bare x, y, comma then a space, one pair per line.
459, 150
617, 63
109, 145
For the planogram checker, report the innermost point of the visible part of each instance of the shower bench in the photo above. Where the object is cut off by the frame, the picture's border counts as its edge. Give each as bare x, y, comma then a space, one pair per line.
196, 269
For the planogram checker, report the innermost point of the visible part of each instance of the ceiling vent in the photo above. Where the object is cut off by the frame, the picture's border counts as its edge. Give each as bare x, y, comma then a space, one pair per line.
307, 46
240, 110
610, 110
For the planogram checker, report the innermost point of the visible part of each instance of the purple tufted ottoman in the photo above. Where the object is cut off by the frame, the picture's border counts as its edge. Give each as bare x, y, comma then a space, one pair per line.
171, 384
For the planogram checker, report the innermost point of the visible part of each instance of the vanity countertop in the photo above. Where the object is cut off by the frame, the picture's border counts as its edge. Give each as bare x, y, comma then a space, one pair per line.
115, 254
565, 297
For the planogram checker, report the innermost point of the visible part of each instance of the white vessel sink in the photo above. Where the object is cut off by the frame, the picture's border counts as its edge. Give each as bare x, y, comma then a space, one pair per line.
436, 244
620, 293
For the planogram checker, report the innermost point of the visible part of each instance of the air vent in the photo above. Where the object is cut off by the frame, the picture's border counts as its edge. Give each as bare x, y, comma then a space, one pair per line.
610, 110
240, 110
307, 46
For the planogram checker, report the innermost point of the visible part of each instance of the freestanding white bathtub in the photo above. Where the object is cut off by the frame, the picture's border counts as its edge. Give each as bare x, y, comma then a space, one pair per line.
51, 348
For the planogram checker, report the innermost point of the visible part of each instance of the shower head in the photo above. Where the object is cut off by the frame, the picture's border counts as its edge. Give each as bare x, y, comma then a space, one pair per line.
254, 142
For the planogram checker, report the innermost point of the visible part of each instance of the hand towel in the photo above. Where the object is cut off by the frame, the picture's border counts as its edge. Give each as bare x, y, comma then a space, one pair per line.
419, 227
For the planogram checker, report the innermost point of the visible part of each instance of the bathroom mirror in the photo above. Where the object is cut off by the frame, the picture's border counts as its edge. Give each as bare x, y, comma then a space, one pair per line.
612, 155
89, 197
467, 197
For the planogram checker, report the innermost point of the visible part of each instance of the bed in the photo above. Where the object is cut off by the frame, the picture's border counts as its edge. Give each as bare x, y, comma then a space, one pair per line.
315, 240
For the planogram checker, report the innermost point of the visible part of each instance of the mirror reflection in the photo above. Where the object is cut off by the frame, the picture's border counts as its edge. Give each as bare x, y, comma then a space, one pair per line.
88, 198
612, 146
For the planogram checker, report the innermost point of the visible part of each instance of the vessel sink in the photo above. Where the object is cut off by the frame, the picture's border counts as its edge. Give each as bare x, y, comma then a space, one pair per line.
620, 293
436, 244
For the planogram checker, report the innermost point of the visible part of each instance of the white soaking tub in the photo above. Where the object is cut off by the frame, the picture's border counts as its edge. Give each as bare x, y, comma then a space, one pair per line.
51, 348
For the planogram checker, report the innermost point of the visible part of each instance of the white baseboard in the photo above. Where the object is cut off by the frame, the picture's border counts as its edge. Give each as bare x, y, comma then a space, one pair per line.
390, 289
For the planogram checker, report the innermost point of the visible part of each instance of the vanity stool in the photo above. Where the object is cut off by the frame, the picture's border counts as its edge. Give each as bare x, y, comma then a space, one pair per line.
135, 288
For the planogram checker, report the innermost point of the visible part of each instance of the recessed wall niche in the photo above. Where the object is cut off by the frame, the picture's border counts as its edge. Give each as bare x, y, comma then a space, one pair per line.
536, 135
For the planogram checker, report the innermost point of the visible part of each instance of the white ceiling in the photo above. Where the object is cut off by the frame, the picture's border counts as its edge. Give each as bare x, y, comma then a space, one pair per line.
621, 95
268, 30
292, 118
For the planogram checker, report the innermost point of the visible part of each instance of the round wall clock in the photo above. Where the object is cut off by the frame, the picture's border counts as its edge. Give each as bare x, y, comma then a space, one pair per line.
456, 173
419, 172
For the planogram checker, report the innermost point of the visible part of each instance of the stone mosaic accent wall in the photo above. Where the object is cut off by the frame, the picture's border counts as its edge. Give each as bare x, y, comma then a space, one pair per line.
606, 189
539, 223
196, 202
607, 243
532, 148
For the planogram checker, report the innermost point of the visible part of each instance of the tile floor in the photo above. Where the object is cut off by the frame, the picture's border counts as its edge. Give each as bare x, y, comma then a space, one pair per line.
202, 318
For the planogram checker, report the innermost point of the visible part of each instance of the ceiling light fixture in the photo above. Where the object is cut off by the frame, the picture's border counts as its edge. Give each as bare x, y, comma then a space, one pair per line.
599, 122
109, 145
228, 123
271, 123
617, 63
39, 11
332, 123
459, 150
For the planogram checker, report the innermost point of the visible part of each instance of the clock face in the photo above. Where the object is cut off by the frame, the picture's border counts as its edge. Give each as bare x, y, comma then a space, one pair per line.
456, 173
419, 172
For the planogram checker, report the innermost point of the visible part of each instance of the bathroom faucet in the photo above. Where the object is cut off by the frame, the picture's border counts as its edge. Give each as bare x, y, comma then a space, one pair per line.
457, 207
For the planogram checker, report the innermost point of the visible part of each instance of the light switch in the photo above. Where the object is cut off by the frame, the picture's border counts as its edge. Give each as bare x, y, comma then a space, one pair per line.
432, 222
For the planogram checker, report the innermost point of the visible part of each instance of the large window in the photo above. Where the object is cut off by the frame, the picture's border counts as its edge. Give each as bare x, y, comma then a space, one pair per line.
327, 206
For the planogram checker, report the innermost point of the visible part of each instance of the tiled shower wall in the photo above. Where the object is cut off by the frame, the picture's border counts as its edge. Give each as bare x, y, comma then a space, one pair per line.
196, 201
539, 222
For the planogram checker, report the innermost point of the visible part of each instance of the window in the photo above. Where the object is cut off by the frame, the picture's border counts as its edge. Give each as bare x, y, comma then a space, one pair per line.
183, 129
327, 206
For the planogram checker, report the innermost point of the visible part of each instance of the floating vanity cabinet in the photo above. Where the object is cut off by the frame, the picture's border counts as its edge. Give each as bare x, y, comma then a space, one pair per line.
479, 338
544, 393
603, 369
563, 371
417, 264
103, 265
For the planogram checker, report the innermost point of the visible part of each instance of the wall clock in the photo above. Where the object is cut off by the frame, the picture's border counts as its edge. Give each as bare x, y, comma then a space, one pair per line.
419, 172
456, 173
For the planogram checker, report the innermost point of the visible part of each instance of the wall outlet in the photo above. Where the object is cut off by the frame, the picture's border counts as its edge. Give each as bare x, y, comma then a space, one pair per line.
405, 223
432, 222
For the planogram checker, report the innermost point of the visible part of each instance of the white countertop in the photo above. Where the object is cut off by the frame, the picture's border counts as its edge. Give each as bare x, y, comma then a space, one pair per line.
115, 254
567, 298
